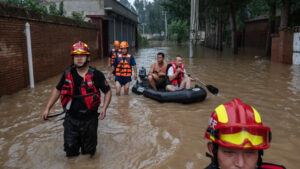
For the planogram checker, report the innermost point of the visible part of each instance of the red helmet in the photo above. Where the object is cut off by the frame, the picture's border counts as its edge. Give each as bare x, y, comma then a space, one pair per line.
116, 43
80, 48
238, 125
124, 44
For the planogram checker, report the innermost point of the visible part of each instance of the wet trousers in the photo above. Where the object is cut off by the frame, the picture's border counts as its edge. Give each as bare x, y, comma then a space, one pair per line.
80, 134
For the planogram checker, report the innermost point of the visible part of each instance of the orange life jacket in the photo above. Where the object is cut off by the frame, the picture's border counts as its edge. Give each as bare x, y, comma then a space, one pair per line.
178, 79
123, 66
89, 93
114, 54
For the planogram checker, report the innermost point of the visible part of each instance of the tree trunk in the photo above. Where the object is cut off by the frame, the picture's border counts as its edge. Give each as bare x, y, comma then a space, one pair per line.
219, 31
216, 33
206, 41
271, 26
284, 14
233, 30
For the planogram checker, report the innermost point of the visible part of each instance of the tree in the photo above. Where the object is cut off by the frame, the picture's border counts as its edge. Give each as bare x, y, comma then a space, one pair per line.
178, 30
285, 10
177, 9
54, 11
271, 25
154, 17
30, 4
141, 6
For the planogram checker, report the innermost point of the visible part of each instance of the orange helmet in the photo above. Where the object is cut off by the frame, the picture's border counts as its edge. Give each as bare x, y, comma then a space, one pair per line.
116, 43
80, 48
124, 44
238, 125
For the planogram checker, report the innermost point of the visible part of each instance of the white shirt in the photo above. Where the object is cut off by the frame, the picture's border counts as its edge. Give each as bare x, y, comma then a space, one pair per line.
171, 72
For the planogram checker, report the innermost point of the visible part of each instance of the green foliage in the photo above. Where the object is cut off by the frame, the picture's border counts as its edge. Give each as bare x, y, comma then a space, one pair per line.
78, 15
155, 18
54, 11
30, 4
150, 16
61, 8
178, 9
142, 40
256, 8
140, 6
178, 31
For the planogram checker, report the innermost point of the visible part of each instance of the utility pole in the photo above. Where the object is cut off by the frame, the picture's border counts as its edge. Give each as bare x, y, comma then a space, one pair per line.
166, 26
194, 23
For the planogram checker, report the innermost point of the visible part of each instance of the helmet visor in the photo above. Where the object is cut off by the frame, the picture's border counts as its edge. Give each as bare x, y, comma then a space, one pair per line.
240, 137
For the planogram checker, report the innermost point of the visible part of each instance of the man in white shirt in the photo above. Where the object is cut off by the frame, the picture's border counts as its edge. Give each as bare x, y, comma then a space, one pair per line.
177, 75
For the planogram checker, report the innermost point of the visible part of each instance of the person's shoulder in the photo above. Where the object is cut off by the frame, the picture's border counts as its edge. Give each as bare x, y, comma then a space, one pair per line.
95, 70
153, 64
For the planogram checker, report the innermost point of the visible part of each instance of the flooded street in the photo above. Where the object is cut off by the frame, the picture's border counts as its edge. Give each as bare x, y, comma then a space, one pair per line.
141, 133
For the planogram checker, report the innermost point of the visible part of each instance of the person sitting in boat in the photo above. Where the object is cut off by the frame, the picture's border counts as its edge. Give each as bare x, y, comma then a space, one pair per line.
157, 73
177, 77
237, 137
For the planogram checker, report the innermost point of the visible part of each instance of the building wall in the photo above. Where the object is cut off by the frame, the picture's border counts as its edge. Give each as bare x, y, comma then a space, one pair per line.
282, 47
256, 34
125, 29
89, 7
51, 41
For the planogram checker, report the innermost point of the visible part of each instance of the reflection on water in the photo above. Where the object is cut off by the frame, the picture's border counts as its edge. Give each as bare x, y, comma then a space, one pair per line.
142, 133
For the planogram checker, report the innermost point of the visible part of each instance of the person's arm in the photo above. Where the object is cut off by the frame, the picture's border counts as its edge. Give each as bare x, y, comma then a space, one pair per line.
151, 70
108, 62
161, 74
172, 75
135, 72
113, 66
109, 58
111, 71
54, 97
133, 64
107, 99
100, 82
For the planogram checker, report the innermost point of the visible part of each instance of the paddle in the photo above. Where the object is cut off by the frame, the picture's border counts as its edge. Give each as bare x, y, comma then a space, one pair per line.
210, 88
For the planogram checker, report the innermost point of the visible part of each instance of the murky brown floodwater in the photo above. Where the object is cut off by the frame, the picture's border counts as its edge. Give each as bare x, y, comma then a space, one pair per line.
142, 133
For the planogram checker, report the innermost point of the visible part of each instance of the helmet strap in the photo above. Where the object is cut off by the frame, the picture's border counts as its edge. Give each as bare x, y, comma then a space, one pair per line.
214, 159
259, 161
84, 65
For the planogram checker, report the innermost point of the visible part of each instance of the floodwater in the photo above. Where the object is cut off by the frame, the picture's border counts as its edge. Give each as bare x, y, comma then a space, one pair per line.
141, 133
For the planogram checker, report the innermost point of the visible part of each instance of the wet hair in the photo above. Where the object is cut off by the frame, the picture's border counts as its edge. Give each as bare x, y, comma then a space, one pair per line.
162, 54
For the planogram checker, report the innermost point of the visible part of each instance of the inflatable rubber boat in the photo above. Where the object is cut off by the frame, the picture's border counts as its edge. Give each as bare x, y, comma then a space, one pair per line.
195, 94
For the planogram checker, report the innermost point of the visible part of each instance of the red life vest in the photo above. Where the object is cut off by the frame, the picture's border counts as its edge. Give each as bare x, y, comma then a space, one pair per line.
123, 67
114, 54
89, 93
271, 166
178, 79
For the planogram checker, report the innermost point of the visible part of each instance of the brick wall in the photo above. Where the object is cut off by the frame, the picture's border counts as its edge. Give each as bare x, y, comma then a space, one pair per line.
51, 40
282, 47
